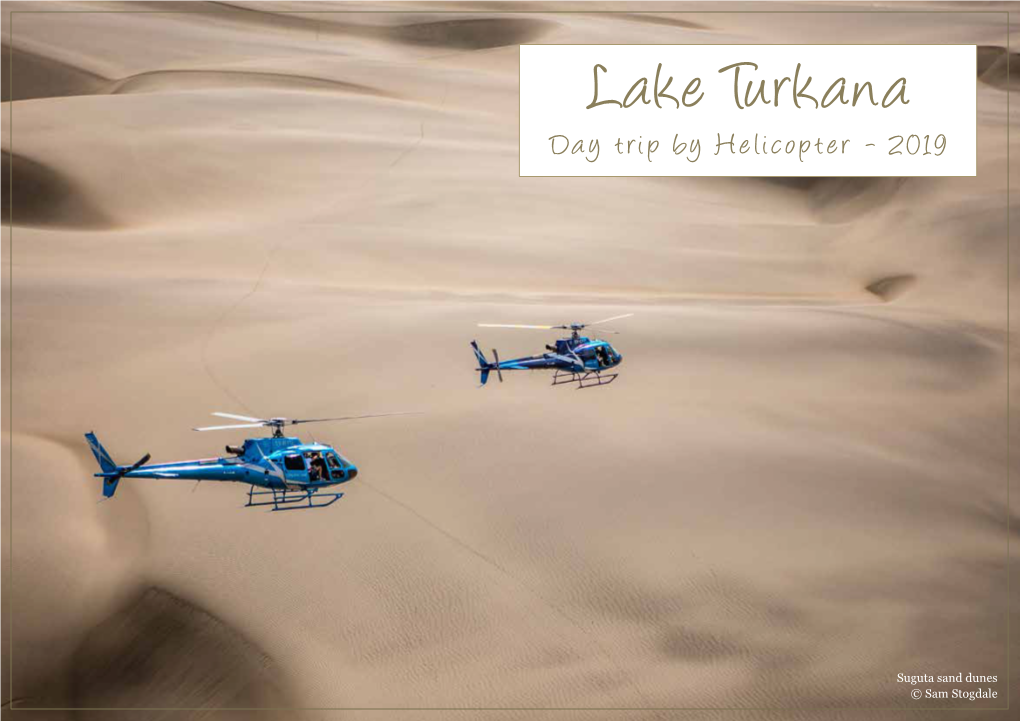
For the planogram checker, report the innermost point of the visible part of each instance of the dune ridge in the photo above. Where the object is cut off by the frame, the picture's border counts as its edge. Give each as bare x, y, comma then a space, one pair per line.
182, 80
36, 76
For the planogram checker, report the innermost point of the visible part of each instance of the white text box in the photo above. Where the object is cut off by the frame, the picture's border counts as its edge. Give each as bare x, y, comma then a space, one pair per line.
685, 117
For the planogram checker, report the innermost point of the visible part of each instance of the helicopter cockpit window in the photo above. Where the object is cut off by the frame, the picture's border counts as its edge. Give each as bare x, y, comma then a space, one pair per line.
294, 463
332, 460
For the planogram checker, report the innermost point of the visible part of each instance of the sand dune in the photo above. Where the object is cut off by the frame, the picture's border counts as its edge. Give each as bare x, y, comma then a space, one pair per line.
794, 491
42, 77
993, 70
44, 197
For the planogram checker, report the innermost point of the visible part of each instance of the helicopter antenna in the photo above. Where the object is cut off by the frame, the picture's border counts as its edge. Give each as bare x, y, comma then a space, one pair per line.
278, 424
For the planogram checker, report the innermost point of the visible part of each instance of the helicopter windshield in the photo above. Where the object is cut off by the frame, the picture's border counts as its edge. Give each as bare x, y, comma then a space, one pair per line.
604, 354
336, 468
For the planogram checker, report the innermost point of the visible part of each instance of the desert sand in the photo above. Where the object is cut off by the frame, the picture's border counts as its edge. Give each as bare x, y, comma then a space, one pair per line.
795, 491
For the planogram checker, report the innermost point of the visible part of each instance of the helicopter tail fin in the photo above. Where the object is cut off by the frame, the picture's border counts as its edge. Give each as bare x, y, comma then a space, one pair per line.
102, 455
111, 473
483, 365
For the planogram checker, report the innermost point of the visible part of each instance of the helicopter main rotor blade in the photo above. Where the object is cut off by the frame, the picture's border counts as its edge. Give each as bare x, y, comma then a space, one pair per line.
505, 325
615, 317
223, 428
236, 417
350, 418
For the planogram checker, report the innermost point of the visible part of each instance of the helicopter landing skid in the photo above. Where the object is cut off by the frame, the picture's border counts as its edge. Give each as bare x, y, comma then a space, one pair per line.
293, 501
591, 379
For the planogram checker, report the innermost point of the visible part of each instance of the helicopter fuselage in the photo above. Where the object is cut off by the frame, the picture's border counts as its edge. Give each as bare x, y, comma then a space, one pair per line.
574, 355
271, 463
577, 359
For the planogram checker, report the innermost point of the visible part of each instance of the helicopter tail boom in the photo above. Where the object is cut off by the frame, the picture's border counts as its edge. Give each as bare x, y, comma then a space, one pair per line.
111, 473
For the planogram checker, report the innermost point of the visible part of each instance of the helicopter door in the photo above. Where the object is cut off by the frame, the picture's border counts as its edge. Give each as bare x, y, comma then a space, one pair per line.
294, 468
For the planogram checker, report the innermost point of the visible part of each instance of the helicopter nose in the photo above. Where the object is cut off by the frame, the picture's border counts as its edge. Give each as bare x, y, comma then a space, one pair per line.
352, 473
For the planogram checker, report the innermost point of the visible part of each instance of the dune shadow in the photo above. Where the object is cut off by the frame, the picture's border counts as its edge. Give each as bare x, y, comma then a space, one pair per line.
661, 20
43, 197
454, 34
774, 638
839, 200
162, 651
469, 34
34, 76
891, 287
995, 517
998, 68
683, 643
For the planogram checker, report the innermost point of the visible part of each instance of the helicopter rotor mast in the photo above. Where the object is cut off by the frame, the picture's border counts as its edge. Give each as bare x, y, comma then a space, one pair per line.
277, 424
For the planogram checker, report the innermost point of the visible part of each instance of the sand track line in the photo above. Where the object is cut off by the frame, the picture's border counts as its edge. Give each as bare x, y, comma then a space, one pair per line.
221, 317
556, 608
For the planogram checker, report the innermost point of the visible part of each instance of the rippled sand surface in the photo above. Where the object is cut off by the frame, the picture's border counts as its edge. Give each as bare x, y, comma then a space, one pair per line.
795, 490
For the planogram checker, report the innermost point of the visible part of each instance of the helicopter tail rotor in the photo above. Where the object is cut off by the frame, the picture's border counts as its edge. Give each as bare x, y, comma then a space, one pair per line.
495, 354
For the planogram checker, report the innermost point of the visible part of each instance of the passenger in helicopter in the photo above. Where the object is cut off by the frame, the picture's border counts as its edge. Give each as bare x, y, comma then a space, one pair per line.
317, 467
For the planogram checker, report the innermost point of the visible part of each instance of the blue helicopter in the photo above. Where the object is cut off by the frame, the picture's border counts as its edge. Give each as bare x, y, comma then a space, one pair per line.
576, 359
281, 472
